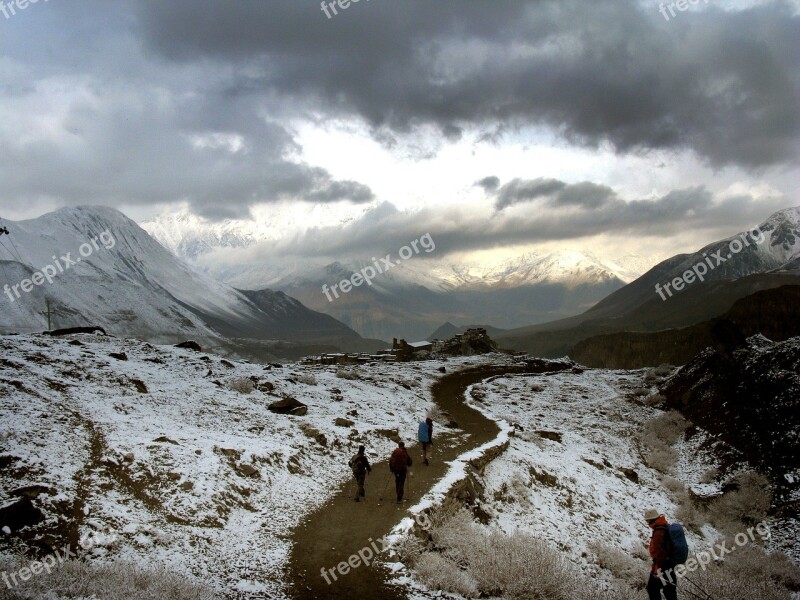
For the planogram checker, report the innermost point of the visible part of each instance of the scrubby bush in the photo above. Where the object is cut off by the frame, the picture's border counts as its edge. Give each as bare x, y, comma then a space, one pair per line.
306, 378
664, 370
119, 580
667, 427
622, 565
654, 400
657, 438
747, 572
710, 476
676, 486
352, 374
662, 459
748, 503
474, 561
243, 385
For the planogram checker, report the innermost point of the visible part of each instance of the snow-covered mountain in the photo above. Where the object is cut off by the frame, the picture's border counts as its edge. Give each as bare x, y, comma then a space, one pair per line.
408, 301
189, 237
126, 282
733, 268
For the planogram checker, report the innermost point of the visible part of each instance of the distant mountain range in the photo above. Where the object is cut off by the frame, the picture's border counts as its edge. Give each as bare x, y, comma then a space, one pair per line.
414, 299
735, 272
132, 286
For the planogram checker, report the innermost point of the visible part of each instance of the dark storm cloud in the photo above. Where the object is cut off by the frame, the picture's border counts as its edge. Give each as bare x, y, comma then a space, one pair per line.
722, 83
146, 146
556, 193
385, 228
489, 184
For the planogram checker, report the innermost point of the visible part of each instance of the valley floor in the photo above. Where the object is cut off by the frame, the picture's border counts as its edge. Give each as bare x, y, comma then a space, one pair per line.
171, 457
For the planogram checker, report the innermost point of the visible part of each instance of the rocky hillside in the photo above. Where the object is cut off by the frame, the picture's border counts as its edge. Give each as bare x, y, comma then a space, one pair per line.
773, 313
750, 396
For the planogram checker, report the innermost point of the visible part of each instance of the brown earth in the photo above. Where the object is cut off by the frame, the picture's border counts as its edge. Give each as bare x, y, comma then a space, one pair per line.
342, 527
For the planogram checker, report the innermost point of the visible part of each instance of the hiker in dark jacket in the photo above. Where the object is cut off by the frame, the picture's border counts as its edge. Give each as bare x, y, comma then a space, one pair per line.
360, 465
661, 573
426, 438
398, 465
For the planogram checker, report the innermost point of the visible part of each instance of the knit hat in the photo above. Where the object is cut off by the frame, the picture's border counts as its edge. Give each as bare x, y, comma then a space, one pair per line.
651, 514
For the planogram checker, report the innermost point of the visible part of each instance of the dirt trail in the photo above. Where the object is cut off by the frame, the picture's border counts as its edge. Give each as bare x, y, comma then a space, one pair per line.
342, 527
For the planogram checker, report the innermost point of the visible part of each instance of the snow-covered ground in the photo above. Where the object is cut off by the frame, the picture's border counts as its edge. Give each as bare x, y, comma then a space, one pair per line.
562, 477
159, 450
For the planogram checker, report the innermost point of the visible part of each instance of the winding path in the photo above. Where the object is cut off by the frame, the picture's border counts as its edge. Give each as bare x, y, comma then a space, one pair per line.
341, 528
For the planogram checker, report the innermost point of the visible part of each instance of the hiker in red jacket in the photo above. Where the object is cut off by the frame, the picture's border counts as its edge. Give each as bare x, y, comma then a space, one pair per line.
661, 575
398, 465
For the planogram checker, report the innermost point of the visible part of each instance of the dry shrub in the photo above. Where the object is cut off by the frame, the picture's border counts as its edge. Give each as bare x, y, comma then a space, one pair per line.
667, 427
664, 370
689, 515
622, 566
748, 503
657, 438
440, 573
676, 486
655, 400
119, 580
747, 572
662, 459
473, 561
351, 374
243, 385
306, 378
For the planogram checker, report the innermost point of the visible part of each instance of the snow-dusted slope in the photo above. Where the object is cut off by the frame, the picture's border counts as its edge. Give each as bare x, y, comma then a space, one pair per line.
131, 285
155, 449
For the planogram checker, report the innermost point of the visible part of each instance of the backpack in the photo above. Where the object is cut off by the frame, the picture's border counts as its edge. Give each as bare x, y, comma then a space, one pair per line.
679, 547
398, 461
357, 465
423, 435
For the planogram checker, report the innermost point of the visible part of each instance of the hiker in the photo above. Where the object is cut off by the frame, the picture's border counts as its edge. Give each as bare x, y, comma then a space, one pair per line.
398, 465
360, 465
661, 573
425, 436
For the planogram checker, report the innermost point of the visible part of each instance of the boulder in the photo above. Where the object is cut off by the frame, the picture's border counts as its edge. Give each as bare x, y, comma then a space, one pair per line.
32, 491
74, 330
20, 513
189, 345
119, 355
340, 422
247, 470
288, 406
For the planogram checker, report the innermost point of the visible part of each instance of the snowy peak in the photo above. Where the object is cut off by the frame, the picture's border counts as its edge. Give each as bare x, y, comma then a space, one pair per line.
125, 281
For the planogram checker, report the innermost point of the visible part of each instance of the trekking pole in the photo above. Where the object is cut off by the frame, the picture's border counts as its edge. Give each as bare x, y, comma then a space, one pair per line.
385, 485
702, 591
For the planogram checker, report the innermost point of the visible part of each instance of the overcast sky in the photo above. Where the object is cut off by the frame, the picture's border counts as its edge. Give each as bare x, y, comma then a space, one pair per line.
492, 124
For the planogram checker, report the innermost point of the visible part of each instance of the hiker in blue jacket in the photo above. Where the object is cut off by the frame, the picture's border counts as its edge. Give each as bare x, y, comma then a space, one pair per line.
426, 438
